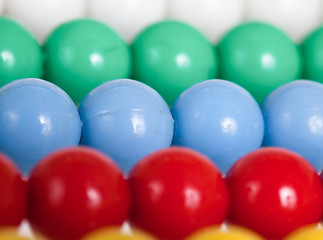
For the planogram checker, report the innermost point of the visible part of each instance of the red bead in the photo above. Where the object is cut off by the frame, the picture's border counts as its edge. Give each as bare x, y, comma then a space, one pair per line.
274, 191
176, 191
13, 193
74, 191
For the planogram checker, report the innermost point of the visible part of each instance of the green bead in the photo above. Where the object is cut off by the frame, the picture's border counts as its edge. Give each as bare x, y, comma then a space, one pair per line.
171, 56
20, 53
258, 57
312, 50
82, 54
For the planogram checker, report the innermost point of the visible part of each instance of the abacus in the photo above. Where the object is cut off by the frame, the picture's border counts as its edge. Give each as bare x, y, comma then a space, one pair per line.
161, 119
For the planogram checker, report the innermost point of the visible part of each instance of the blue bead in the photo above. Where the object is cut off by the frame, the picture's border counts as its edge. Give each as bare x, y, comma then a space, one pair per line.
219, 119
126, 120
36, 118
293, 115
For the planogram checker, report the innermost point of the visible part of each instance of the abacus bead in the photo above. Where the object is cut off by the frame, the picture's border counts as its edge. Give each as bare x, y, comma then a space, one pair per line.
127, 120
128, 17
312, 50
213, 18
82, 54
42, 16
20, 54
165, 59
297, 18
258, 57
293, 115
220, 119
36, 118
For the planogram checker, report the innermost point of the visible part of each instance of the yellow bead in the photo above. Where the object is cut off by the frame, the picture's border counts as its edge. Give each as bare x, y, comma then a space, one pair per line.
310, 232
114, 233
231, 233
12, 233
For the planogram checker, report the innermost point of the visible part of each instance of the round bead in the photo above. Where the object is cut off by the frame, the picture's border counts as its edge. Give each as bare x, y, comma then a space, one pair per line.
176, 191
312, 50
43, 16
14, 233
212, 17
3, 4
259, 57
20, 54
171, 56
74, 191
297, 18
310, 232
229, 233
127, 120
220, 119
82, 54
36, 118
128, 17
293, 116
13, 194
115, 233
273, 192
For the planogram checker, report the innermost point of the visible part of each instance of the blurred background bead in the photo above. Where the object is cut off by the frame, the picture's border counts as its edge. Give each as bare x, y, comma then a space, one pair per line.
116, 233
2, 5
308, 232
297, 18
228, 233
42, 16
128, 17
312, 52
213, 18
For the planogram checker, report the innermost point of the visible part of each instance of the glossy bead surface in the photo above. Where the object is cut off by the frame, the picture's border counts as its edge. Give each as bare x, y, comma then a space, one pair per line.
179, 181
127, 120
312, 50
74, 191
13, 193
273, 192
43, 16
20, 54
36, 118
258, 57
220, 119
212, 17
171, 56
139, 14
229, 233
115, 233
82, 54
293, 115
